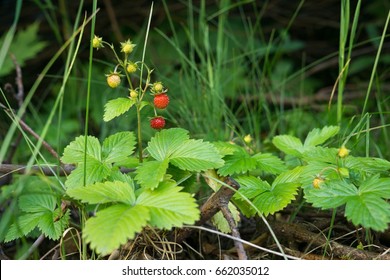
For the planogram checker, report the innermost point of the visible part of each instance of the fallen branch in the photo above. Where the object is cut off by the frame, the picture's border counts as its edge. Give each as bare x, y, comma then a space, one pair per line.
296, 232
218, 201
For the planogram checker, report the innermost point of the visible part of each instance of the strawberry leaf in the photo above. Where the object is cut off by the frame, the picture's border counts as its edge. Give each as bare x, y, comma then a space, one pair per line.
104, 193
290, 145
196, 155
118, 146
52, 224
151, 173
332, 194
368, 210
165, 142
74, 152
95, 171
23, 225
113, 226
169, 207
267, 199
319, 136
238, 163
117, 107
270, 163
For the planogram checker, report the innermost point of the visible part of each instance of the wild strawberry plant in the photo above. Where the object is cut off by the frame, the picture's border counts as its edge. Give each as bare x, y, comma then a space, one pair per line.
149, 191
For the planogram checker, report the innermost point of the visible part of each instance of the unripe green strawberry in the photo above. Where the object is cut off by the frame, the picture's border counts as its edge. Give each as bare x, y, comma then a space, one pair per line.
97, 42
157, 123
113, 79
127, 47
161, 100
157, 87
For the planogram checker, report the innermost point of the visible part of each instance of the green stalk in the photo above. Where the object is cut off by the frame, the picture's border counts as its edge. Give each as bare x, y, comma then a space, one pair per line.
373, 72
139, 128
83, 211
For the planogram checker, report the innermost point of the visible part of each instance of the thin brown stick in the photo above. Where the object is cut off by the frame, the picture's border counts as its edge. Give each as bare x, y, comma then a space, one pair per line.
211, 207
235, 233
298, 233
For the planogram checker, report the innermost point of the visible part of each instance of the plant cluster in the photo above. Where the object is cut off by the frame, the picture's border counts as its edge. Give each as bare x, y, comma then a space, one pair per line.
118, 192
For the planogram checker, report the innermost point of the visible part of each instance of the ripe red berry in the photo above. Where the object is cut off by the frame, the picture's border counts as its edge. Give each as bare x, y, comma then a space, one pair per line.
157, 123
161, 100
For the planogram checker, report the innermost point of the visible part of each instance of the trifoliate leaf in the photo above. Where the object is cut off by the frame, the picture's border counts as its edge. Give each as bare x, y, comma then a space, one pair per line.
104, 193
267, 199
288, 144
270, 163
23, 225
74, 152
318, 136
118, 146
369, 211
151, 173
169, 206
277, 198
113, 226
117, 107
165, 142
331, 194
238, 163
95, 171
196, 155
53, 224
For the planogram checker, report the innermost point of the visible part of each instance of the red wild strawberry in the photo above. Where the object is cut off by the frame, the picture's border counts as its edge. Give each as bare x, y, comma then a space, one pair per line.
157, 123
161, 100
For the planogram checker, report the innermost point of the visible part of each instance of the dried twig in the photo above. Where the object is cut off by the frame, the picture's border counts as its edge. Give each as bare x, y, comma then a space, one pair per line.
298, 233
219, 201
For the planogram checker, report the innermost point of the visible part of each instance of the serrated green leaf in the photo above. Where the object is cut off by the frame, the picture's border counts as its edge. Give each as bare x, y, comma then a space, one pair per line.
25, 45
117, 107
165, 142
74, 152
268, 199
289, 176
118, 146
225, 148
270, 163
288, 144
52, 225
238, 163
220, 222
23, 225
369, 211
104, 193
196, 155
117, 175
322, 154
34, 203
332, 194
318, 136
113, 226
169, 206
277, 198
151, 173
95, 171
377, 186
367, 164
251, 186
